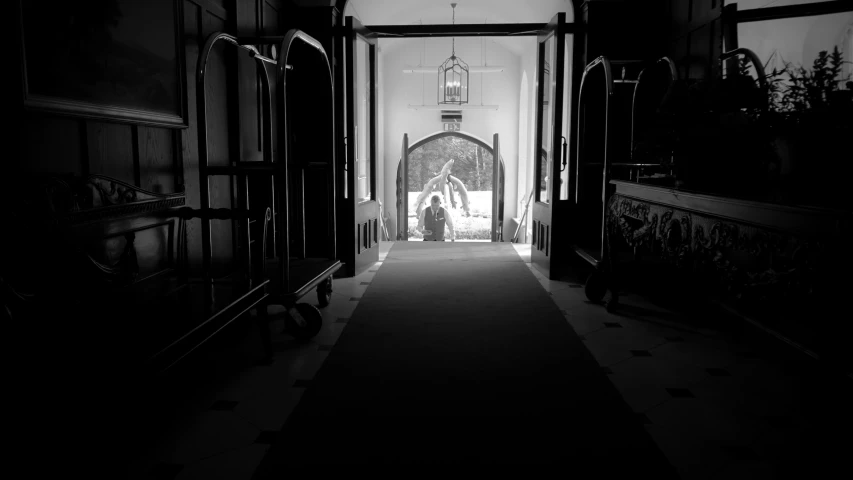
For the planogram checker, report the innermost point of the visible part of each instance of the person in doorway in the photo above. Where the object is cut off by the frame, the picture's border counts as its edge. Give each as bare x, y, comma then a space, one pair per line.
433, 220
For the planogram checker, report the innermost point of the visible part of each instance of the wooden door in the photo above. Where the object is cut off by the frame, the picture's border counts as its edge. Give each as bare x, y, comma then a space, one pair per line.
359, 208
403, 192
547, 144
497, 190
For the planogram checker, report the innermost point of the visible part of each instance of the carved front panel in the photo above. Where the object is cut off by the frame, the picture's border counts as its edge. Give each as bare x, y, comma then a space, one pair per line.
82, 235
775, 276
746, 260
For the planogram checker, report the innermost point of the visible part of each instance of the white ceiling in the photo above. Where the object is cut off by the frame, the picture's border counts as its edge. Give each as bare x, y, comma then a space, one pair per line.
437, 12
518, 45
405, 12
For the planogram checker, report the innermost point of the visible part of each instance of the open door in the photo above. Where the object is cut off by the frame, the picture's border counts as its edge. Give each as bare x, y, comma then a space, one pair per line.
497, 193
403, 192
359, 247
546, 149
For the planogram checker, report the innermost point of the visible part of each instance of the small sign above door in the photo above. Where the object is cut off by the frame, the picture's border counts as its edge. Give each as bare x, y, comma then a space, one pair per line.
452, 127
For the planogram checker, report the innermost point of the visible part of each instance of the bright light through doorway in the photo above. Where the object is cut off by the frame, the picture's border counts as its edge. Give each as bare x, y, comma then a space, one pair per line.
469, 202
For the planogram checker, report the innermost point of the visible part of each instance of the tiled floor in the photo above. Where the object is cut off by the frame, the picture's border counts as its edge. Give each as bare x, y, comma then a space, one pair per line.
718, 407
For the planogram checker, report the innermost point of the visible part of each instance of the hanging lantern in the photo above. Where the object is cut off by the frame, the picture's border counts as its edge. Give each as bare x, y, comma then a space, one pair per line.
453, 81
453, 77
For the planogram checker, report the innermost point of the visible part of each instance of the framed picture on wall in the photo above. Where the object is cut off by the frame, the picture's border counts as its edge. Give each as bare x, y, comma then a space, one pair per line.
115, 60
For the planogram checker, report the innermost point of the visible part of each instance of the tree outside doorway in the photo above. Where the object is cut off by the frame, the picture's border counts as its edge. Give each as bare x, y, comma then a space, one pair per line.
468, 200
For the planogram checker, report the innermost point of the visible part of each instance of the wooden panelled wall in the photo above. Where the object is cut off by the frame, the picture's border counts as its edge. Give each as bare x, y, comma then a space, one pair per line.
696, 37
624, 29
164, 159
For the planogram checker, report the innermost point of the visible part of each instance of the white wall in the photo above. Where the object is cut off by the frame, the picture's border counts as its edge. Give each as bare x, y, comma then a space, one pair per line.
401, 90
526, 169
524, 107
380, 136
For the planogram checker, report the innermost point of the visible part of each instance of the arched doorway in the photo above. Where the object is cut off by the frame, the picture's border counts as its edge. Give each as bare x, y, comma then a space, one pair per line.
471, 210
552, 84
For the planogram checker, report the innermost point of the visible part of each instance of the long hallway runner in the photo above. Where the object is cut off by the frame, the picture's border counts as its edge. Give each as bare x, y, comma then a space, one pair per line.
456, 354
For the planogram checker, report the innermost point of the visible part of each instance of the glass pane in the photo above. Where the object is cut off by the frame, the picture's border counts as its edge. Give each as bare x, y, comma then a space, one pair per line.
363, 186
362, 133
544, 153
807, 61
799, 41
567, 118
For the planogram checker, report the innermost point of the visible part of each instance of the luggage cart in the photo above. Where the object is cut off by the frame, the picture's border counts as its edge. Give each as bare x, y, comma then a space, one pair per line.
603, 124
647, 97
287, 274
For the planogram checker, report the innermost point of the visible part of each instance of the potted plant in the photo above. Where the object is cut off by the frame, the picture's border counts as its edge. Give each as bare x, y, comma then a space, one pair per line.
810, 122
720, 136
782, 140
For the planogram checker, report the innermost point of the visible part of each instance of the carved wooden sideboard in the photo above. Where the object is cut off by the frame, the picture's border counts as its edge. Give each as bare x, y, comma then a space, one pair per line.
784, 269
81, 253
95, 271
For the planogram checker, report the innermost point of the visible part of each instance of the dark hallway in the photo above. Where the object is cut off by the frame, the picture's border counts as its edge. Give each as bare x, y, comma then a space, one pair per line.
716, 402
204, 272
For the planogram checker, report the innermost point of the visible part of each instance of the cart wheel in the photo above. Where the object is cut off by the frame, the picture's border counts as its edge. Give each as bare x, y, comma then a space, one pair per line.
596, 287
324, 292
613, 305
308, 323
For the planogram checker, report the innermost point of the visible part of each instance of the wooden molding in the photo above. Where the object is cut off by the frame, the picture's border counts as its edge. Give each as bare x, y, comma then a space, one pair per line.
94, 198
793, 11
779, 217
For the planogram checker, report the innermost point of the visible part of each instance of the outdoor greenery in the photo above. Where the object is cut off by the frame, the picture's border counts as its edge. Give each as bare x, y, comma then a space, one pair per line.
472, 166
798, 90
476, 227
808, 122
782, 143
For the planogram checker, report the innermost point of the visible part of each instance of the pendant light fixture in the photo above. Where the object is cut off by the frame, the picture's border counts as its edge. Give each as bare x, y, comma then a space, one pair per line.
453, 77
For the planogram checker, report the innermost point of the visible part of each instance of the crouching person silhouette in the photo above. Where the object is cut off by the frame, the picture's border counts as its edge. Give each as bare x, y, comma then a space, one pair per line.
433, 220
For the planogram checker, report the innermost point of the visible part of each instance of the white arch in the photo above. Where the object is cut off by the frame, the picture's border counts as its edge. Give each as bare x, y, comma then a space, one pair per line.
441, 132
